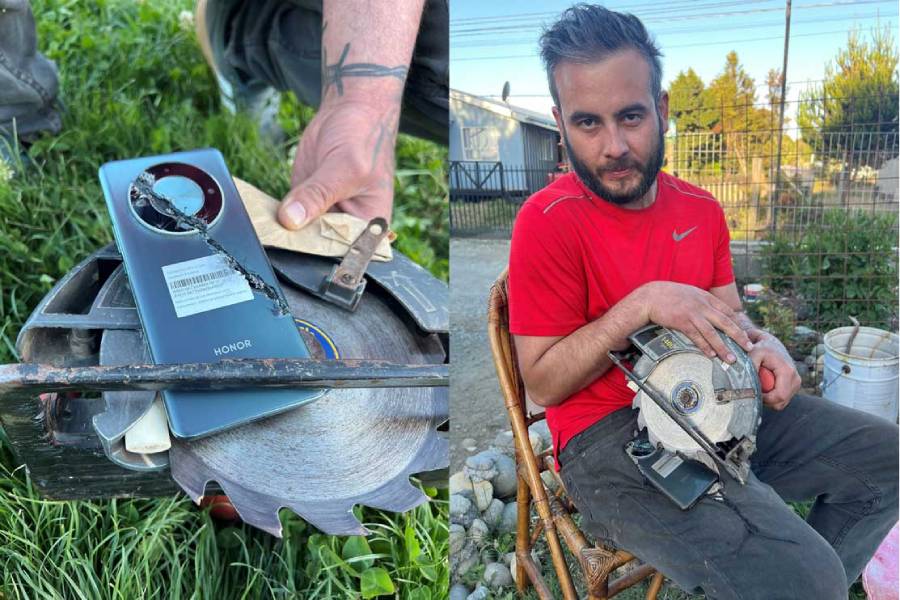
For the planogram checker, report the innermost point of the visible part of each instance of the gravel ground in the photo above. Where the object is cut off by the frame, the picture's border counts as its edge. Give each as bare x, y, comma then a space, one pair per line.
476, 407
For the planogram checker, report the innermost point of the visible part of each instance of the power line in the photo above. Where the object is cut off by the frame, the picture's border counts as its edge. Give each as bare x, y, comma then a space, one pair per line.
694, 45
518, 28
685, 30
651, 8
616, 7
682, 16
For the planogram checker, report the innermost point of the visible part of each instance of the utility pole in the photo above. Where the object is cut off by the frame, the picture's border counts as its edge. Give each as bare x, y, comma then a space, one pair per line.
787, 36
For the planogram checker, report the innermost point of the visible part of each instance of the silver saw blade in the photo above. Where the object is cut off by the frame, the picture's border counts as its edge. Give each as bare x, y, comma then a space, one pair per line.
689, 382
353, 446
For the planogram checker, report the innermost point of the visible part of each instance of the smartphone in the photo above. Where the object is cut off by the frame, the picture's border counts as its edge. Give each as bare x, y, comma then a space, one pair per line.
194, 306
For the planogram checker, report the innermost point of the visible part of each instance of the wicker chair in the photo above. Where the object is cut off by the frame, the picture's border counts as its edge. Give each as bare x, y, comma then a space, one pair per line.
554, 509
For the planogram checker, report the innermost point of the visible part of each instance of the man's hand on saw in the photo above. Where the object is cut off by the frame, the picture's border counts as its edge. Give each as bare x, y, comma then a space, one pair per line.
344, 162
769, 352
697, 314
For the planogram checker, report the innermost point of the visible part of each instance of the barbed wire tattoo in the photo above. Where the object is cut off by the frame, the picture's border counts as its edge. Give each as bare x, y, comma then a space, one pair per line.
335, 74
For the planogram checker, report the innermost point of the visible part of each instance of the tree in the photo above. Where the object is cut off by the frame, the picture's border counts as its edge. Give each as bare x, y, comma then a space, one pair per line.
689, 108
747, 129
855, 107
773, 94
688, 103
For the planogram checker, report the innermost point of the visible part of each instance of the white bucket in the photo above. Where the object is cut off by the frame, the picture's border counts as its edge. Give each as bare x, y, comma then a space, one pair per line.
866, 377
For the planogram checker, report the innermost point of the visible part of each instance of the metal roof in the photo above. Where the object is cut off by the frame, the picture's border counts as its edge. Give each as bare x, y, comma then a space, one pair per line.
522, 115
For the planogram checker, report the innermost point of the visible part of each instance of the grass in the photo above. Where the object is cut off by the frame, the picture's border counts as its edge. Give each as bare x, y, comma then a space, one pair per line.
134, 83
165, 548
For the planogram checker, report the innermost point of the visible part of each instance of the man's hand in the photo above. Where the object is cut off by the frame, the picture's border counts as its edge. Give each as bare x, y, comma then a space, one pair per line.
345, 159
695, 313
770, 353
344, 162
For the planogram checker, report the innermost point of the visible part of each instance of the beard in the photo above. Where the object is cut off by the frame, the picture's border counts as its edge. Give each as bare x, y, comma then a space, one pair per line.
593, 179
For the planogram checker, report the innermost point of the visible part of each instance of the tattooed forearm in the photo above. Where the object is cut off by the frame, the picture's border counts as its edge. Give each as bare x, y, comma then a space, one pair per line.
385, 134
334, 75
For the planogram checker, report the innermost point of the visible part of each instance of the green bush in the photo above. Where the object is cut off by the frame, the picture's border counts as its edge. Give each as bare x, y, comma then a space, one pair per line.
844, 265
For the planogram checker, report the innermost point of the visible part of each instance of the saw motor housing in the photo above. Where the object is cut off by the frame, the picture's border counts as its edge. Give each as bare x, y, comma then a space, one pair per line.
721, 402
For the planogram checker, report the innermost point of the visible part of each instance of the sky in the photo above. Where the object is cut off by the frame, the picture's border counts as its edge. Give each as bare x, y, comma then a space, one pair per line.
493, 42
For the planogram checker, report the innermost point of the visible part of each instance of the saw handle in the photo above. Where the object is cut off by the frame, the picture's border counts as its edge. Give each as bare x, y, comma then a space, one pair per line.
766, 380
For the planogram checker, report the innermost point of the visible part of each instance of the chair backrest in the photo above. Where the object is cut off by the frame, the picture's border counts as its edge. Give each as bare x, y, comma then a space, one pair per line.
503, 348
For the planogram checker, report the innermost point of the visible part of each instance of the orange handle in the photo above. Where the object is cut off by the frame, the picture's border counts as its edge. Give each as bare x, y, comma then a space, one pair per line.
766, 379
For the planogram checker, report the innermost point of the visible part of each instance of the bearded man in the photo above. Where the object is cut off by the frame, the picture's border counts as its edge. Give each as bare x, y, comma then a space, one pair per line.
618, 244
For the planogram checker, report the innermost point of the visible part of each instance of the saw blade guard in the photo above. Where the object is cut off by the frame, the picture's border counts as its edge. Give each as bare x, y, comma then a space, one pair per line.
719, 400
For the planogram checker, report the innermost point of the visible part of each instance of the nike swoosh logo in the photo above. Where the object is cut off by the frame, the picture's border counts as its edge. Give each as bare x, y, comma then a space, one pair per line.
680, 236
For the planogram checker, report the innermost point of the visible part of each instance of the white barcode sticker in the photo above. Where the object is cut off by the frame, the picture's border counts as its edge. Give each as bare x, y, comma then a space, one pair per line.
204, 284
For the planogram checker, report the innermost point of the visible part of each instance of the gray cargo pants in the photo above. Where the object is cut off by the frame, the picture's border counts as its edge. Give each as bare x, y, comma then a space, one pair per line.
749, 544
28, 81
278, 44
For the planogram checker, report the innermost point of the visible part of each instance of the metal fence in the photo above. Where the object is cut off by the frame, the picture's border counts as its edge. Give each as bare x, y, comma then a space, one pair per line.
485, 196
764, 187
812, 212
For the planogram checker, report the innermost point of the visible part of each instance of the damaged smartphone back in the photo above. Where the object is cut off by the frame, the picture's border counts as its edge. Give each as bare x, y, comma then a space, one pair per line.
202, 296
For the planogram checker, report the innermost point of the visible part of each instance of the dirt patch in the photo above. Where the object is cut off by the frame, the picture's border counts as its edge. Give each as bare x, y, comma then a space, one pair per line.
476, 407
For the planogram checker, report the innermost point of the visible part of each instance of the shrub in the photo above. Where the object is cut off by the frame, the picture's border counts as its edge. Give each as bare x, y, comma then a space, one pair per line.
844, 265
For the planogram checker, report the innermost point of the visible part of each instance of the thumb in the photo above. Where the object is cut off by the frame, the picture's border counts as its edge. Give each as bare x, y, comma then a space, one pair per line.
310, 199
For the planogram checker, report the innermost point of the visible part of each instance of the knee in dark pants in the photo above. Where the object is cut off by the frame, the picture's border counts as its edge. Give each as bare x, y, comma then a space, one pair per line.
881, 462
887, 434
797, 573
824, 576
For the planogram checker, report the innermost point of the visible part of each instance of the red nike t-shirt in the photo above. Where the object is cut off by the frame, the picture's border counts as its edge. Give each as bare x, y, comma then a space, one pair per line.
574, 255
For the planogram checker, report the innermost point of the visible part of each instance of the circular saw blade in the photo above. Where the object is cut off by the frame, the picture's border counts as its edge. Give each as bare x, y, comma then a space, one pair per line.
686, 381
352, 446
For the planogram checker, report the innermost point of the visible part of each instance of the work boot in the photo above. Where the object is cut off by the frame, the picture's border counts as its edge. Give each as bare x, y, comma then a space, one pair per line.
28, 86
237, 91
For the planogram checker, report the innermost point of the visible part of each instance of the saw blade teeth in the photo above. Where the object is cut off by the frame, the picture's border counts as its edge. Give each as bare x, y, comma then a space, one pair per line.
328, 518
397, 496
441, 404
188, 472
322, 472
254, 509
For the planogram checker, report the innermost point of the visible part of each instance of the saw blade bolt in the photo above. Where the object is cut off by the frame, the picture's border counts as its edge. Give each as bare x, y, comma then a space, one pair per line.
686, 398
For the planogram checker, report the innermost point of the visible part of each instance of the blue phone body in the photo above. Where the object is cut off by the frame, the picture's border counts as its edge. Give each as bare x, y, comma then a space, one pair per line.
191, 305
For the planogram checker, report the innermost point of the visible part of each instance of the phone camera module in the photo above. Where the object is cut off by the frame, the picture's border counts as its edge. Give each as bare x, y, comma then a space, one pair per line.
191, 190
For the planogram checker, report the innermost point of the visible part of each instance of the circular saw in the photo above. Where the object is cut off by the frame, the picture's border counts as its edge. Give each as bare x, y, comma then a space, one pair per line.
691, 405
88, 379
